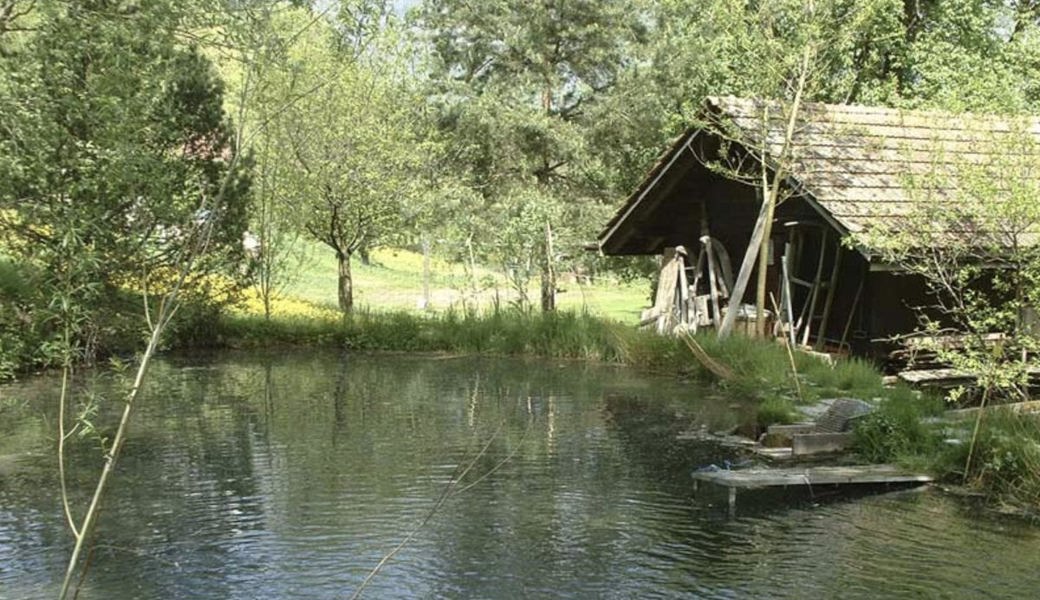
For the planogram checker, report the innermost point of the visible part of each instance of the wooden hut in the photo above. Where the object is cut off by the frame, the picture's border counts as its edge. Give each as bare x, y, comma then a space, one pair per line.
846, 172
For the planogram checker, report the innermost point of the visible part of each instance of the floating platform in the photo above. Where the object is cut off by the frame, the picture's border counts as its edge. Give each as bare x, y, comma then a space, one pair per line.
748, 479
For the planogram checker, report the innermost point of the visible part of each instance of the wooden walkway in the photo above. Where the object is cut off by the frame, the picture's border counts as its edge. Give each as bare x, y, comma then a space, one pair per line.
809, 476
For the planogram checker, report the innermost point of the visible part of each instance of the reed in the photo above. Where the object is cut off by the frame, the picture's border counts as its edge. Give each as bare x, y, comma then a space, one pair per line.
1005, 462
761, 367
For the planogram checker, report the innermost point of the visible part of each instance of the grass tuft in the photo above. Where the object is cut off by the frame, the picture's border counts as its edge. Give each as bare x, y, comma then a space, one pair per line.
1005, 462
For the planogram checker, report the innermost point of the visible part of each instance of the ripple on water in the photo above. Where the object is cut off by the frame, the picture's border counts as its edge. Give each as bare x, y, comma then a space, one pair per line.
292, 478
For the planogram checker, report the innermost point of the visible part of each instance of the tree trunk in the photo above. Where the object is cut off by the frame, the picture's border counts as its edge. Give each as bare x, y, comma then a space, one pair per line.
548, 273
548, 289
346, 283
425, 272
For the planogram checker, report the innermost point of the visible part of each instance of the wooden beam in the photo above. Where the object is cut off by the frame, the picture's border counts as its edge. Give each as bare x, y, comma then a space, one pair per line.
815, 290
796, 477
679, 151
829, 301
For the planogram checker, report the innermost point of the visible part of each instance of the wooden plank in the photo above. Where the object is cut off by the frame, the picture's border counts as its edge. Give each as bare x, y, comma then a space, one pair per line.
1028, 406
943, 376
815, 290
667, 280
932, 376
847, 475
852, 312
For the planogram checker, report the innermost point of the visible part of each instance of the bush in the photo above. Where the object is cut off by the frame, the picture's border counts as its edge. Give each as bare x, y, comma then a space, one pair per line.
774, 411
898, 431
19, 331
1005, 462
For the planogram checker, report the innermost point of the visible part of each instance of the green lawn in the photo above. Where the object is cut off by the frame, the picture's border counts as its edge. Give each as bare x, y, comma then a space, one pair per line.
393, 282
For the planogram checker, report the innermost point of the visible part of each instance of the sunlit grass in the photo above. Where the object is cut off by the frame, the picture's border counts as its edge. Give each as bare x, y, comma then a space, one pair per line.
393, 282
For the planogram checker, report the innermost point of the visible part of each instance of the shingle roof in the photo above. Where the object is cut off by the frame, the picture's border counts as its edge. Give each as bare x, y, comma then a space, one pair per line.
866, 165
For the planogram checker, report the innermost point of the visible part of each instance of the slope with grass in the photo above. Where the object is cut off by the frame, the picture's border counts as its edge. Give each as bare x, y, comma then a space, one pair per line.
394, 282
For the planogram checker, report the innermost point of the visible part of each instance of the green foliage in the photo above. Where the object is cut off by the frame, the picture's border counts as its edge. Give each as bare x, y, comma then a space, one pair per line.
125, 155
763, 377
853, 376
775, 410
339, 135
1005, 460
559, 335
113, 158
898, 431
983, 286
519, 88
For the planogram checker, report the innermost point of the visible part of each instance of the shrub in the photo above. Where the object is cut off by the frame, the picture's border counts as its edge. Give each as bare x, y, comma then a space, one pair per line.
775, 411
1005, 461
898, 431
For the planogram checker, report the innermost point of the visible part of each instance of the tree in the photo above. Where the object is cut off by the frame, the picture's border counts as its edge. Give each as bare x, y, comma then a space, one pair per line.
118, 175
517, 81
254, 61
352, 133
970, 233
106, 167
793, 51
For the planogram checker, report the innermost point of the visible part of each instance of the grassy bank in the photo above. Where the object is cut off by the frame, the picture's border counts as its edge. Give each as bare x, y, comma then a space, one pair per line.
600, 327
996, 455
762, 369
392, 281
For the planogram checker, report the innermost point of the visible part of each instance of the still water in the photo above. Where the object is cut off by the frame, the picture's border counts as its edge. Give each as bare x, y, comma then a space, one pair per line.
290, 475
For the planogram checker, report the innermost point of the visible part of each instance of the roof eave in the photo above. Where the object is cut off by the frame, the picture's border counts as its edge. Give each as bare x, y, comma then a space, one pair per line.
661, 168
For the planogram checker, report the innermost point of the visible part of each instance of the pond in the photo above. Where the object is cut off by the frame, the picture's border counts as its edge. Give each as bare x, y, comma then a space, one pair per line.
291, 474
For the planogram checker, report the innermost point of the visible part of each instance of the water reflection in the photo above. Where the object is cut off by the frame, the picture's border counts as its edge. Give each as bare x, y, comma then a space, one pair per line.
291, 474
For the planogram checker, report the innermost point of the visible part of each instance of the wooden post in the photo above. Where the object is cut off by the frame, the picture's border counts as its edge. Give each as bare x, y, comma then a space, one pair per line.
815, 289
831, 285
667, 279
683, 290
693, 286
746, 266
713, 282
763, 267
789, 304
549, 272
425, 272
852, 311
713, 285
725, 268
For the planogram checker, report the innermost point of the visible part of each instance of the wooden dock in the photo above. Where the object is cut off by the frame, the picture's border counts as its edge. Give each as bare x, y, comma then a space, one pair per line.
748, 479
